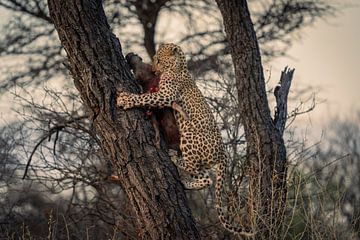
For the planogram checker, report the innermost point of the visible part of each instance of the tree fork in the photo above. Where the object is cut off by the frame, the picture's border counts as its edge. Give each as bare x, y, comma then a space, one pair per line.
145, 173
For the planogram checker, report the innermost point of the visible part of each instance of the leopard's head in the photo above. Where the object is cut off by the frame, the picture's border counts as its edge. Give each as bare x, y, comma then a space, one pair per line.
169, 57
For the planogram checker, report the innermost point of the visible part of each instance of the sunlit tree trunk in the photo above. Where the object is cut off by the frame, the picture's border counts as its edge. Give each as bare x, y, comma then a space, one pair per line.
266, 153
145, 173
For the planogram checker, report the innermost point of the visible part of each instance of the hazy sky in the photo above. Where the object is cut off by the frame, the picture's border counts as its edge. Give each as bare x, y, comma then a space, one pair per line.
326, 57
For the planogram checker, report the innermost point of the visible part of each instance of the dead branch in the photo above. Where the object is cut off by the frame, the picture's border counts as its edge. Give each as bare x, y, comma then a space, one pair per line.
281, 94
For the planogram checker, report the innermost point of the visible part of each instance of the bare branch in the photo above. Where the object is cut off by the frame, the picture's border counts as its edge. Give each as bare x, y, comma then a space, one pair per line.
52, 130
281, 94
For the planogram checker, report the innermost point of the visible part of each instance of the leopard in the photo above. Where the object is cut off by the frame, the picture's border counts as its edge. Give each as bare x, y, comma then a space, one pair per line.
201, 144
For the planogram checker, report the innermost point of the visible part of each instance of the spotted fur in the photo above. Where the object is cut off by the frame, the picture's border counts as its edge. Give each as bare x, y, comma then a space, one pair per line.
201, 144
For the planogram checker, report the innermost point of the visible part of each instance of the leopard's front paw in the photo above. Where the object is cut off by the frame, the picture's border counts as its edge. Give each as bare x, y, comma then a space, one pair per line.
124, 100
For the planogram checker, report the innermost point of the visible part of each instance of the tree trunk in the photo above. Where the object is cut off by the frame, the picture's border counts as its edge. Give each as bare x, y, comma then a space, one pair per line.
266, 153
148, 12
145, 173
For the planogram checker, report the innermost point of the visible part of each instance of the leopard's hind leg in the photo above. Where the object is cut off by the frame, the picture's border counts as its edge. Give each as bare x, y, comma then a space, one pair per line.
199, 178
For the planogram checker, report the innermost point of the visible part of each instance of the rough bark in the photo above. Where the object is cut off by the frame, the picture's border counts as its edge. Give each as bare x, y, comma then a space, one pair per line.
145, 173
266, 152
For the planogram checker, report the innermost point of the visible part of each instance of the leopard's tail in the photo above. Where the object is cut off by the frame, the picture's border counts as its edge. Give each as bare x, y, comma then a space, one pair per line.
219, 188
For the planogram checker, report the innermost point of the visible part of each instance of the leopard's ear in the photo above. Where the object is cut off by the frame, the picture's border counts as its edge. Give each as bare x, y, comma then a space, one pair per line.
175, 49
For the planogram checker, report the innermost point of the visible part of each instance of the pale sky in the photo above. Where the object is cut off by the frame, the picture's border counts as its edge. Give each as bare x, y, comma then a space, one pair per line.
327, 57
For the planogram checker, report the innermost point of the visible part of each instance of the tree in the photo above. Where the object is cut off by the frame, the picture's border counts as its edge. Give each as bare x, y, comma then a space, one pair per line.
145, 173
265, 152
